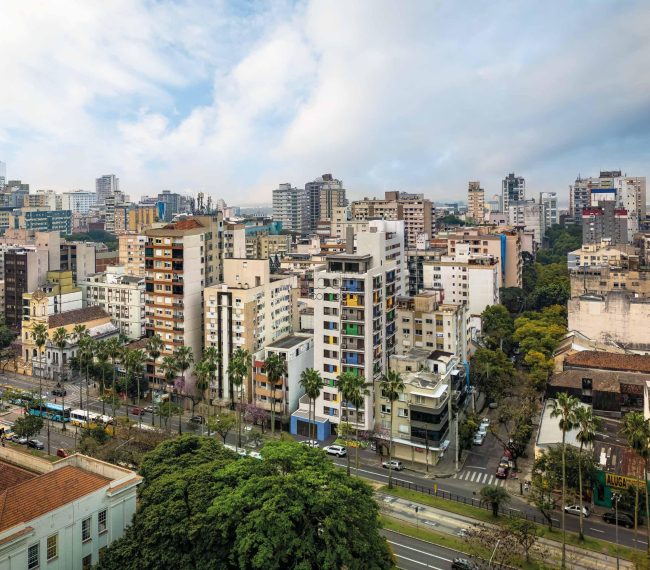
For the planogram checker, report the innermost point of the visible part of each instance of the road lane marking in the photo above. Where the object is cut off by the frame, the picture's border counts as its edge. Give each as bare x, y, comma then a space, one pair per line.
596, 529
491, 480
420, 551
641, 541
416, 562
475, 467
473, 475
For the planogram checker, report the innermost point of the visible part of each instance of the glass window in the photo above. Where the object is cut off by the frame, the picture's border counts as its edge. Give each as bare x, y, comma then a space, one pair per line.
52, 546
85, 529
32, 556
87, 562
101, 521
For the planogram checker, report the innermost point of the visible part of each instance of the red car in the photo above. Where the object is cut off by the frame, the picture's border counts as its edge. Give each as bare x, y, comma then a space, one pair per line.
137, 411
502, 472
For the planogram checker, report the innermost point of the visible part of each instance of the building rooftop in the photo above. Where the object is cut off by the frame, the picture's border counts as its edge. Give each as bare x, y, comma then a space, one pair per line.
549, 429
10, 475
77, 316
288, 342
609, 361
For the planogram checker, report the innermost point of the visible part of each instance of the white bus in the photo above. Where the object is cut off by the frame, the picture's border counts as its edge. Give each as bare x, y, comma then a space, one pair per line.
81, 418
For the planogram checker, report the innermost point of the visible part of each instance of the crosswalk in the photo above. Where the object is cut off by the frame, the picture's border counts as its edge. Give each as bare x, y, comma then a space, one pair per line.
479, 477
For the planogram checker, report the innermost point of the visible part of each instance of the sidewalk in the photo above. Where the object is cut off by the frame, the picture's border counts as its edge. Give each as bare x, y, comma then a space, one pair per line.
451, 523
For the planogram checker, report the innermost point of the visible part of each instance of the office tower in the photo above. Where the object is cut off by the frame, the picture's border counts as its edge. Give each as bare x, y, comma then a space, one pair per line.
324, 194
25, 268
41, 220
476, 202
181, 259
605, 222
250, 309
78, 201
172, 204
529, 215
105, 186
513, 189
291, 207
416, 212
548, 201
631, 194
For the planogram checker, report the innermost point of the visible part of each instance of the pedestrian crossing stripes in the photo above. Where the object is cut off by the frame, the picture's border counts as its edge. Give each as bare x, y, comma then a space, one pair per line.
480, 477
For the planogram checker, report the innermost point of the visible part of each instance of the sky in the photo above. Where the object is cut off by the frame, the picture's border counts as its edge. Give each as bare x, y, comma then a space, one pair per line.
233, 98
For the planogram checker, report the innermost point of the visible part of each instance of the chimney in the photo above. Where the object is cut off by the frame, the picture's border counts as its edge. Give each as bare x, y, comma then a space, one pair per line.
349, 240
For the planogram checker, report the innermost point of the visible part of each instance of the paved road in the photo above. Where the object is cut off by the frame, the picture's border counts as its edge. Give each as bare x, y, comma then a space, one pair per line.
414, 554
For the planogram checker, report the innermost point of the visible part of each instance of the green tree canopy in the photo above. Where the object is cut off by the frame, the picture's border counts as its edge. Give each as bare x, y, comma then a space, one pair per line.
497, 327
28, 426
203, 507
492, 372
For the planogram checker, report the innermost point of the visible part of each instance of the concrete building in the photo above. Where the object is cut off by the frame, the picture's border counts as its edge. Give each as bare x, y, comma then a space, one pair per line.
79, 257
171, 204
476, 202
513, 189
69, 529
601, 279
61, 292
291, 208
616, 318
324, 194
605, 222
603, 254
48, 241
131, 250
297, 351
112, 203
134, 218
416, 212
78, 201
548, 201
105, 186
424, 322
41, 220
415, 260
631, 192
268, 246
121, 296
47, 199
25, 269
529, 215
250, 309
234, 241
181, 260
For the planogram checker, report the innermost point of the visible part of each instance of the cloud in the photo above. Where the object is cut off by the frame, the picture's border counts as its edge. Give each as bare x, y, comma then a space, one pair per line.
233, 98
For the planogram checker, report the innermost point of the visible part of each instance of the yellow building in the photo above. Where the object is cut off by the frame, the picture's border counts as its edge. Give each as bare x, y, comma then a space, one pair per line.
134, 218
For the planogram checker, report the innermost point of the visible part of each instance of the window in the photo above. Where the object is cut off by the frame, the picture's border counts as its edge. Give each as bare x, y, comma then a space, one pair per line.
32, 556
85, 529
87, 562
101, 522
385, 409
52, 546
402, 413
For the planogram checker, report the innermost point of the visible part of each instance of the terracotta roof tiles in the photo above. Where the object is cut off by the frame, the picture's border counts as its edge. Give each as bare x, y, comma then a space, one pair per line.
76, 316
609, 361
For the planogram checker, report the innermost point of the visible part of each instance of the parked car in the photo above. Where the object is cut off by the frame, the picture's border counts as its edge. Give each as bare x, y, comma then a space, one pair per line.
61, 453
255, 454
148, 409
59, 392
504, 461
196, 419
622, 519
22, 440
36, 444
335, 450
394, 465
575, 510
310, 443
479, 438
137, 411
493, 405
502, 472
463, 564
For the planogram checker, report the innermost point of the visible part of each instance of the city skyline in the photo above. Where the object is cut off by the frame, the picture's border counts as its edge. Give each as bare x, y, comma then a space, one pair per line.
235, 99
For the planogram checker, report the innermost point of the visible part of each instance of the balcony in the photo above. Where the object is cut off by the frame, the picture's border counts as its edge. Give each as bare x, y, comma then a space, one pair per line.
353, 359
352, 329
353, 315
353, 285
353, 300
357, 345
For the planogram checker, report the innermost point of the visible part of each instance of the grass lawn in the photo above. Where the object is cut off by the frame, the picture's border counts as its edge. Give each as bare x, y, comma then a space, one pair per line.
589, 543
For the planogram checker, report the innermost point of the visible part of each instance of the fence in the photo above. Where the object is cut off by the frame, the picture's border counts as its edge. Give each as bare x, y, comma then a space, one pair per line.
505, 511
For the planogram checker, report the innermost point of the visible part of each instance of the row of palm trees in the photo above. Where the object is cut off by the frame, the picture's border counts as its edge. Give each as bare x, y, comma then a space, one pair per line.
635, 428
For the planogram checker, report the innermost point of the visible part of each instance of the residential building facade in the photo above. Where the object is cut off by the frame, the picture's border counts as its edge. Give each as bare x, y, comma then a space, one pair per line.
105, 186
78, 201
513, 189
291, 208
476, 202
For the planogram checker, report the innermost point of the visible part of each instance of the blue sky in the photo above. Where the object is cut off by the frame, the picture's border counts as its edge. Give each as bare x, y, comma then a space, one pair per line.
232, 98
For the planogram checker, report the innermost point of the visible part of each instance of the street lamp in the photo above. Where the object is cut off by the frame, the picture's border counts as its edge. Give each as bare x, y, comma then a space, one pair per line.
616, 497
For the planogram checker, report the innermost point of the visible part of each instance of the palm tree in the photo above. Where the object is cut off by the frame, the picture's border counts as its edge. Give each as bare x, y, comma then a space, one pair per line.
102, 358
60, 339
391, 384
275, 368
587, 424
212, 358
237, 371
155, 346
80, 333
564, 407
40, 334
636, 429
87, 348
184, 358
134, 363
202, 372
113, 350
344, 384
169, 368
312, 383
356, 397
494, 496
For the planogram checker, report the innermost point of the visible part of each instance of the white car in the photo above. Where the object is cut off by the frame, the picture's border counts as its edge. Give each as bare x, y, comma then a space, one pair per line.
309, 443
575, 510
485, 422
394, 465
255, 454
335, 450
479, 438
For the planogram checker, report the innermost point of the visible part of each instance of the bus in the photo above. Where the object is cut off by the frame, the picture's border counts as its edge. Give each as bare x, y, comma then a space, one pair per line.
82, 418
55, 412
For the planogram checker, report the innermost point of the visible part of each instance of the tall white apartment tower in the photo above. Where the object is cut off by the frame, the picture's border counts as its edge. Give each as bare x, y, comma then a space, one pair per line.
548, 201
291, 207
105, 186
3, 174
355, 318
513, 189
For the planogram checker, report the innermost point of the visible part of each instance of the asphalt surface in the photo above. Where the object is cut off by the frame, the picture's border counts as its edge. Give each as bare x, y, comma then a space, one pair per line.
414, 554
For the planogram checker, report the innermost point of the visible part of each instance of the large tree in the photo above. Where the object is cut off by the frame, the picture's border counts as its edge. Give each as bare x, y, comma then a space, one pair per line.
275, 369
492, 372
312, 383
497, 327
586, 424
391, 385
201, 507
238, 367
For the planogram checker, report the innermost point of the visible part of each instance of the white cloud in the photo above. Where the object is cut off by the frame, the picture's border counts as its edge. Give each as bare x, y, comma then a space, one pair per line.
233, 98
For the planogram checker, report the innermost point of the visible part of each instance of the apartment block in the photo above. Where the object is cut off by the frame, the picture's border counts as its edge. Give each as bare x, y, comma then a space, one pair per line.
171, 204
605, 222
513, 189
476, 202
548, 201
121, 296
325, 194
297, 352
105, 186
48, 241
79, 257
134, 217
414, 209
25, 268
78, 201
112, 203
181, 259
415, 260
41, 220
47, 199
291, 208
250, 309
600, 280
131, 253
603, 254
529, 215
423, 321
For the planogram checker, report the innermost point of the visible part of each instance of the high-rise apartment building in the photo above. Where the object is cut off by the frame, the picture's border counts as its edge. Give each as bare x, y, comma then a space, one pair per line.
111, 204
181, 259
134, 217
105, 186
47, 199
131, 249
324, 194
414, 209
291, 208
476, 202
25, 268
605, 222
78, 201
631, 194
548, 201
355, 321
513, 189
529, 215
172, 204
3, 174
251, 308
41, 220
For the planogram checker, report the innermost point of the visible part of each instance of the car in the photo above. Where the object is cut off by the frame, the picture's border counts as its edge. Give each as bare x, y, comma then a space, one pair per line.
137, 411
148, 409
504, 461
255, 454
61, 453
309, 443
59, 392
485, 422
335, 450
502, 472
21, 439
575, 510
36, 444
493, 405
196, 419
479, 438
622, 519
463, 564
394, 465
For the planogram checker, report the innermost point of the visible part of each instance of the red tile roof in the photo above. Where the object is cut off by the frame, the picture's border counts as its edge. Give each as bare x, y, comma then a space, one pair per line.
11, 475
609, 361
76, 316
44, 493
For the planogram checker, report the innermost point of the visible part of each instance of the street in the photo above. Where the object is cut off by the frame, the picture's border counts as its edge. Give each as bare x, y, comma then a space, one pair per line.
414, 554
